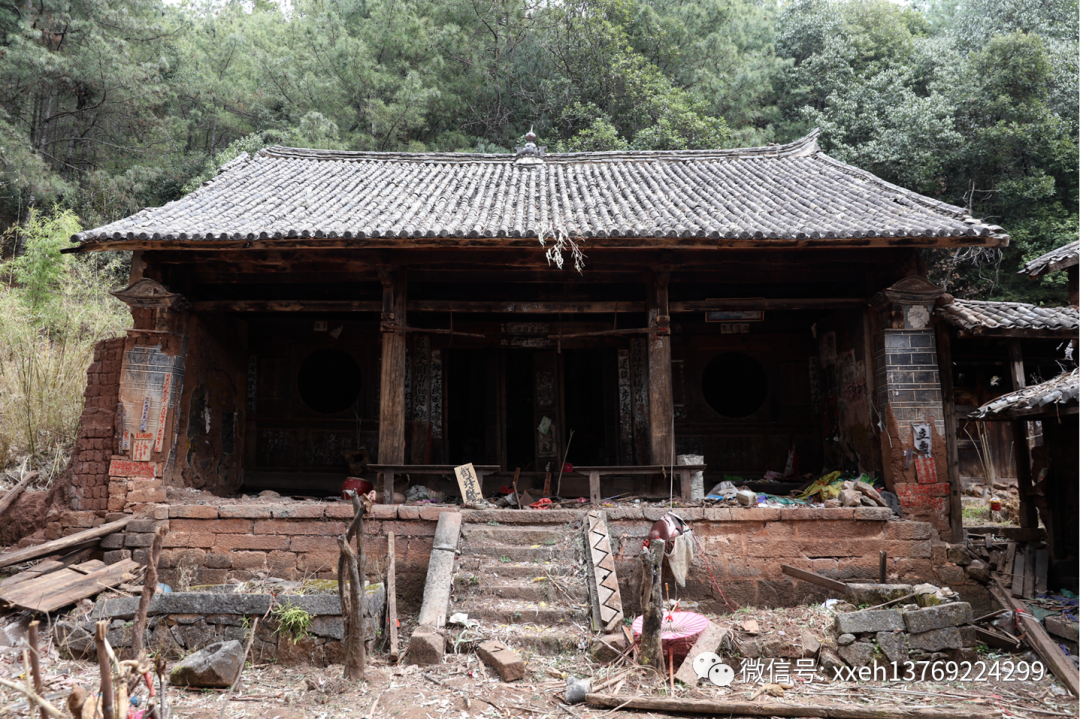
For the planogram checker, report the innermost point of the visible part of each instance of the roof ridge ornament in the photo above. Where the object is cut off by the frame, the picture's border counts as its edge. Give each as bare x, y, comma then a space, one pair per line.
530, 154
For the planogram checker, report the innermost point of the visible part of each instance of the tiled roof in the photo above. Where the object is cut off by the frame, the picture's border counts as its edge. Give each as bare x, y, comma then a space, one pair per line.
1064, 256
978, 317
1060, 391
785, 192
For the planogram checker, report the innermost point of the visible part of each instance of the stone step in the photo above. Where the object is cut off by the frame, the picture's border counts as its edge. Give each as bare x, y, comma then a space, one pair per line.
494, 611
532, 638
527, 589
514, 535
538, 554
490, 566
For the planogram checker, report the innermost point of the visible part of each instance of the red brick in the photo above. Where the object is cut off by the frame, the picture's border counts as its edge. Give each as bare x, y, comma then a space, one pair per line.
907, 530
251, 541
248, 560
384, 511
281, 562
880, 514
182, 557
285, 526
243, 511
310, 562
146, 495
216, 560
327, 545
193, 511
431, 514
189, 539
216, 526
345, 511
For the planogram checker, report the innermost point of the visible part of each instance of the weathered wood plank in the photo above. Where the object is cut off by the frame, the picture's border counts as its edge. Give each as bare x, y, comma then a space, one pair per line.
952, 453
59, 589
1046, 647
814, 578
392, 380
604, 592
58, 545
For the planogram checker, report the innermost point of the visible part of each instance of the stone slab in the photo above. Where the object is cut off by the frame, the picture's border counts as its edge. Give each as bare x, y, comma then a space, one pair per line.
708, 641
894, 645
936, 640
869, 620
943, 615
206, 603
857, 654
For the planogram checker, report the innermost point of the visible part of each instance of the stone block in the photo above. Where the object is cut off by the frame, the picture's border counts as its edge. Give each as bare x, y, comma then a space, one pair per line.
858, 654
116, 555
142, 526
893, 645
426, 647
138, 540
216, 526
193, 511
830, 662
936, 640
810, 644
979, 571
244, 511
215, 666
265, 542
873, 514
874, 594
504, 660
293, 528
112, 541
943, 615
958, 554
384, 511
308, 510
968, 637
869, 620
1059, 626
185, 603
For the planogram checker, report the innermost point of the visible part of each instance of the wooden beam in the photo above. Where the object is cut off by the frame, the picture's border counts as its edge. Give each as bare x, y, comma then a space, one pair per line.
769, 303
729, 708
1017, 334
392, 378
399, 243
286, 306
1025, 485
952, 452
12, 495
814, 578
58, 545
661, 403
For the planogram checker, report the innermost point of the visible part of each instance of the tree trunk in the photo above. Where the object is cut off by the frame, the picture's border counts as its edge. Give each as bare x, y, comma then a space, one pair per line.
652, 607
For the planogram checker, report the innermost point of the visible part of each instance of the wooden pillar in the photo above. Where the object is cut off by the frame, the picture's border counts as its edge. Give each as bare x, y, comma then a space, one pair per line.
952, 454
661, 408
1029, 516
392, 377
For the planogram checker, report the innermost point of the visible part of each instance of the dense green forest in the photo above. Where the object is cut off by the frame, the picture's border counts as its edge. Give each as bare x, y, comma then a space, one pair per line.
109, 106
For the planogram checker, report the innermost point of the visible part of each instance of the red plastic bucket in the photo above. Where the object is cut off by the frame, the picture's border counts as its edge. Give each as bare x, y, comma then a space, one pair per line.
355, 484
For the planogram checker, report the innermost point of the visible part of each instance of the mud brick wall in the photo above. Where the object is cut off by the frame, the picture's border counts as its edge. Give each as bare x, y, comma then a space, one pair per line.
86, 484
907, 378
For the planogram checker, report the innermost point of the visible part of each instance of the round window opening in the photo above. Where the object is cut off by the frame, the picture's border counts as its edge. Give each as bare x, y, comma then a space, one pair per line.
734, 384
329, 381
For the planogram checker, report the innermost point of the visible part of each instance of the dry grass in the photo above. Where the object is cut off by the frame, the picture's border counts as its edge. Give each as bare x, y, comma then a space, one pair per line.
47, 338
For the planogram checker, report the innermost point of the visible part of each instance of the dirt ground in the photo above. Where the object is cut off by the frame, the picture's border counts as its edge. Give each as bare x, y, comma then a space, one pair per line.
464, 687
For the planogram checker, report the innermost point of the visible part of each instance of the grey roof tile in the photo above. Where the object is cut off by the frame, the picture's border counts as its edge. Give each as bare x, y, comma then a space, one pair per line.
1058, 392
1064, 256
979, 317
784, 192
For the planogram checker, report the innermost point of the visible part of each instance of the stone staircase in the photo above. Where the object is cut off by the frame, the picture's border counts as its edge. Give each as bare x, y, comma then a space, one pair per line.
525, 584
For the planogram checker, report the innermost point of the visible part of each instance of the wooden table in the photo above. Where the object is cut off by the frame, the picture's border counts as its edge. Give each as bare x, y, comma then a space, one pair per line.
682, 471
390, 471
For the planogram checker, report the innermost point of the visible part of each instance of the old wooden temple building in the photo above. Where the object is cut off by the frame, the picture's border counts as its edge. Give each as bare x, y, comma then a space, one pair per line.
305, 305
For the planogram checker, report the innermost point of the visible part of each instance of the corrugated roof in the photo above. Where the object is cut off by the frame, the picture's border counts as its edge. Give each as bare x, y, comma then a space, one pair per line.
785, 192
1058, 392
979, 317
1064, 256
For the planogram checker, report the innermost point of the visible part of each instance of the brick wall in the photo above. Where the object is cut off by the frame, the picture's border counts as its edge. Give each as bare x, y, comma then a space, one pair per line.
88, 470
744, 548
907, 377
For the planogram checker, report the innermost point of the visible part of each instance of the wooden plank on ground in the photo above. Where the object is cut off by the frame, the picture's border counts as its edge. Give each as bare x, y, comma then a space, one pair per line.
59, 589
725, 707
604, 595
708, 641
1010, 558
996, 639
814, 578
59, 545
1018, 573
1037, 637
86, 567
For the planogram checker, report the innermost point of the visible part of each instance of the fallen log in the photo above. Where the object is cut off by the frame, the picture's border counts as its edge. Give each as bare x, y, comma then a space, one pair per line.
11, 496
814, 578
736, 708
58, 545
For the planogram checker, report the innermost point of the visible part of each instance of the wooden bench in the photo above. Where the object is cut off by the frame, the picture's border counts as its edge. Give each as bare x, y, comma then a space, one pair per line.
682, 471
390, 471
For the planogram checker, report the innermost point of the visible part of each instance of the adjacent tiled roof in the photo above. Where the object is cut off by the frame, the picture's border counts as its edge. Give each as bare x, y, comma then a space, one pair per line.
789, 191
1064, 256
978, 317
1060, 391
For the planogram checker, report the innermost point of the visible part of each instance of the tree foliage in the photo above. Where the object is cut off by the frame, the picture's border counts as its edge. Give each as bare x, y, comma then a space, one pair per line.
108, 106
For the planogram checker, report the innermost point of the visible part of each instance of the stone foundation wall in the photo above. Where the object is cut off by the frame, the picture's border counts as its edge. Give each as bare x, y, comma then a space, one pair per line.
744, 548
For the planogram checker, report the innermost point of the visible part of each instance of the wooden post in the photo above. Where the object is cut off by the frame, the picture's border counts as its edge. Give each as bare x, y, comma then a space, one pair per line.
138, 632
661, 408
392, 377
594, 487
952, 453
354, 653
105, 669
35, 661
1029, 516
652, 607
391, 595
883, 567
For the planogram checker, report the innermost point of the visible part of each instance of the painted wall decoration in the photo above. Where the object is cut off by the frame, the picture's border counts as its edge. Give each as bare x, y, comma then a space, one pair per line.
149, 389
